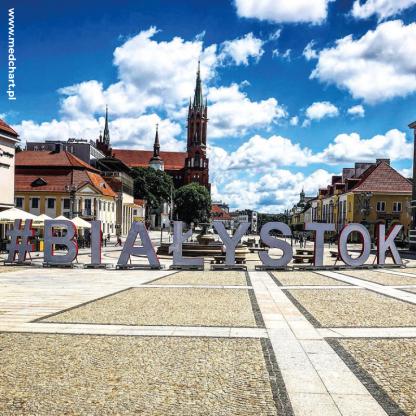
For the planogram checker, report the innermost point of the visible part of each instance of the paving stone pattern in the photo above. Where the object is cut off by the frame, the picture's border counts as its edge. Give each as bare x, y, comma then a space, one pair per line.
353, 308
381, 277
229, 278
297, 277
166, 306
52, 374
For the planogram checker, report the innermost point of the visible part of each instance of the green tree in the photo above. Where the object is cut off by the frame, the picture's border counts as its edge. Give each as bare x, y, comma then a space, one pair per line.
155, 186
193, 203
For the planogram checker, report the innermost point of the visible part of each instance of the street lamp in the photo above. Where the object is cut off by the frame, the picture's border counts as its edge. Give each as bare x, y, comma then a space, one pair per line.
71, 189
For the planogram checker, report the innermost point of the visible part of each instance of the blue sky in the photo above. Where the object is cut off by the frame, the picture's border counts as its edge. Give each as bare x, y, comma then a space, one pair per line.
282, 117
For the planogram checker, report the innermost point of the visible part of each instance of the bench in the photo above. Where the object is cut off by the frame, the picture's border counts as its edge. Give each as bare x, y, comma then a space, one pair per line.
302, 258
221, 260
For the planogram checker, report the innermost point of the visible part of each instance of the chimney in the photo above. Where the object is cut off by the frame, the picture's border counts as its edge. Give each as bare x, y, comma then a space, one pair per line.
378, 161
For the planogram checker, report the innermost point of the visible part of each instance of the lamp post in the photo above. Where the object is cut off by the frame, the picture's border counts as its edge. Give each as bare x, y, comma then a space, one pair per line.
71, 189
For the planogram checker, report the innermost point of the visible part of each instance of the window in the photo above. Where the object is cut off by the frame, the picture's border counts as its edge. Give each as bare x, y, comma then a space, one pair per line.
99, 204
67, 204
397, 207
103, 205
113, 205
381, 206
35, 203
51, 203
19, 202
88, 207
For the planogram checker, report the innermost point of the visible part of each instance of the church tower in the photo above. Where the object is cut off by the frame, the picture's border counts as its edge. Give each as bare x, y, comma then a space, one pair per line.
103, 143
196, 163
156, 161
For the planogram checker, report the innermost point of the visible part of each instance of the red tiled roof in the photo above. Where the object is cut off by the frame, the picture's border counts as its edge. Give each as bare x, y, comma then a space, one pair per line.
46, 158
56, 182
99, 183
218, 212
139, 202
5, 127
383, 178
141, 158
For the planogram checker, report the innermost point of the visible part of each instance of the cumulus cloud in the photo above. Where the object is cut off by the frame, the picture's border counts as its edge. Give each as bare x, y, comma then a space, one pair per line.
231, 112
240, 50
294, 121
356, 111
284, 11
126, 132
381, 8
320, 110
274, 191
376, 67
353, 148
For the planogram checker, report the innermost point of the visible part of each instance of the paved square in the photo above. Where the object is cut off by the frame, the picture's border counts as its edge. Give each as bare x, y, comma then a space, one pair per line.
352, 308
300, 278
381, 277
225, 278
387, 367
167, 306
105, 375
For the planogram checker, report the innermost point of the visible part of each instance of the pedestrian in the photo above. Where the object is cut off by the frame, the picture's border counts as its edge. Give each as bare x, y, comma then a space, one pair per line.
119, 242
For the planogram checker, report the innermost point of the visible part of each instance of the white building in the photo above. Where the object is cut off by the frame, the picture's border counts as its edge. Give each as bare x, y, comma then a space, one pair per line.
8, 140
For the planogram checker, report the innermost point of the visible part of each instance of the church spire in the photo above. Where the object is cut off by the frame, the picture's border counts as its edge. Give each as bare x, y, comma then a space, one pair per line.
156, 161
156, 145
106, 135
198, 99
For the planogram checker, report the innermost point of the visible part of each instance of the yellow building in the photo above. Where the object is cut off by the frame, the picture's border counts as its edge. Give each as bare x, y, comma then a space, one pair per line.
370, 194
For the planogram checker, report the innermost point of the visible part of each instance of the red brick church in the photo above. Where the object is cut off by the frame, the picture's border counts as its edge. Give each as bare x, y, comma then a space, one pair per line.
184, 167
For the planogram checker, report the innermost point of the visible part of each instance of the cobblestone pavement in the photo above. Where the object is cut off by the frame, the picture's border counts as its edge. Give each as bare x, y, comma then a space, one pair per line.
189, 350
381, 277
167, 306
104, 375
304, 278
353, 308
389, 369
230, 278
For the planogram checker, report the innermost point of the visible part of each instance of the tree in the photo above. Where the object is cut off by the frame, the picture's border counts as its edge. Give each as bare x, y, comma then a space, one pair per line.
154, 186
193, 203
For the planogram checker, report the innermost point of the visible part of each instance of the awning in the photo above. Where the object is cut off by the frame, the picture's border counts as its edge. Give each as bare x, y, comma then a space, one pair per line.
80, 223
9, 215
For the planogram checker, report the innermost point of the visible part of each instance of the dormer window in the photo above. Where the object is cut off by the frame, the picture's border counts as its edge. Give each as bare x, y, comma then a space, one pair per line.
39, 182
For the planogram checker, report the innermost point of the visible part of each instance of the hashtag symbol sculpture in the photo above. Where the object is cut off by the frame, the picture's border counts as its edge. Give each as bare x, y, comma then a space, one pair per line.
19, 241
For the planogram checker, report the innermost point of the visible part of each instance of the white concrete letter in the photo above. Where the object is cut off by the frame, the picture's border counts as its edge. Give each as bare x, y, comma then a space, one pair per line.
365, 241
176, 247
130, 249
274, 242
384, 244
69, 240
96, 241
319, 229
230, 242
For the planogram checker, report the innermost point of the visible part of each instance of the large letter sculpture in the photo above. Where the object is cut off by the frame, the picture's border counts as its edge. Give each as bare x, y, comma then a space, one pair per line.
319, 229
274, 242
96, 242
130, 249
343, 247
230, 242
19, 241
384, 244
176, 247
68, 240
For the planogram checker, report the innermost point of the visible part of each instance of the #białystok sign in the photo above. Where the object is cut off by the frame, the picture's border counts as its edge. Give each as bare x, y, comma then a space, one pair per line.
19, 244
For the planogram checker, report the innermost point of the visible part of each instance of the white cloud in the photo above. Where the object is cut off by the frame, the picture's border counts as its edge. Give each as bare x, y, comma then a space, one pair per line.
352, 148
294, 121
356, 111
261, 153
382, 8
231, 112
407, 172
285, 55
283, 10
321, 109
240, 50
376, 67
310, 53
124, 131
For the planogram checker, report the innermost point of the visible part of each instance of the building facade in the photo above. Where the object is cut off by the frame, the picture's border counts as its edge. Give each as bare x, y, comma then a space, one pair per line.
58, 183
368, 193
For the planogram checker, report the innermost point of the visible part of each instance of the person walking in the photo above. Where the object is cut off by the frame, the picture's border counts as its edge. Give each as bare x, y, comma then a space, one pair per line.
119, 242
